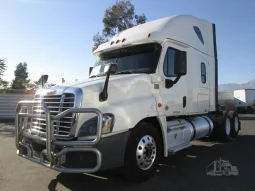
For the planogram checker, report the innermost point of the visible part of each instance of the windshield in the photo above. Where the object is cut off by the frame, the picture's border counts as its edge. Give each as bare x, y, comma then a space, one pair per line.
135, 59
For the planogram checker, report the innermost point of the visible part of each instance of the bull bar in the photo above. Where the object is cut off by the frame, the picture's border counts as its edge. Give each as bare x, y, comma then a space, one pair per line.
54, 157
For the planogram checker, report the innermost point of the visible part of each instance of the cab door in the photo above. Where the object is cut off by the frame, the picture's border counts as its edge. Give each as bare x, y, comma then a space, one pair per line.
173, 98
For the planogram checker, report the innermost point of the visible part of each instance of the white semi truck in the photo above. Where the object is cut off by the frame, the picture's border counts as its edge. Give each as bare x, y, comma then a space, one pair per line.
241, 100
245, 100
151, 92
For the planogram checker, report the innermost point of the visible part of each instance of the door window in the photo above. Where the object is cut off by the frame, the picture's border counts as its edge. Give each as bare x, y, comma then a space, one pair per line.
203, 73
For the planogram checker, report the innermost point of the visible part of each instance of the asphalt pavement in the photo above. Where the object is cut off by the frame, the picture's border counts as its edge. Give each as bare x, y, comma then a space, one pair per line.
184, 171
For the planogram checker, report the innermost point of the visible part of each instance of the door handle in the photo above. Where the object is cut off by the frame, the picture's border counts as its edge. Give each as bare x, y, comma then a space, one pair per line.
184, 101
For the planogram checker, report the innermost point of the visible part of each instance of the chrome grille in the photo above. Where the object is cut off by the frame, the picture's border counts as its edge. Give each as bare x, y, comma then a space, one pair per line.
56, 105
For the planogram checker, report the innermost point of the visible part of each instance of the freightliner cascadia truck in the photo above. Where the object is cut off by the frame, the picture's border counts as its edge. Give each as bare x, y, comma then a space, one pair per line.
152, 90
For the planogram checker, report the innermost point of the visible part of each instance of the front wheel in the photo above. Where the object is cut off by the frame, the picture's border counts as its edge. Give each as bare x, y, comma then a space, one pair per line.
142, 153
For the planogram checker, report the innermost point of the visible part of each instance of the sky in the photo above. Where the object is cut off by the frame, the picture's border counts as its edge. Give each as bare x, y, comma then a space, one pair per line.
55, 37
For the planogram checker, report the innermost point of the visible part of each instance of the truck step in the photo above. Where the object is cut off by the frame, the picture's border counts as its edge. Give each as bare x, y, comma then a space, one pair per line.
173, 150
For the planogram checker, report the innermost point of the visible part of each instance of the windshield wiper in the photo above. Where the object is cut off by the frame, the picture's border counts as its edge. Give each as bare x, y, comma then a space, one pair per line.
124, 72
135, 71
130, 72
97, 75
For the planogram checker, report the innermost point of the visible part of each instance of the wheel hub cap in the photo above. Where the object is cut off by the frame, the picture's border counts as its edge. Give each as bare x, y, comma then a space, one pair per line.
146, 152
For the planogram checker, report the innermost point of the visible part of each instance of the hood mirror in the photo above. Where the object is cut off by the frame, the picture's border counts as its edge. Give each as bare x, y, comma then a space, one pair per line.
110, 68
43, 80
90, 70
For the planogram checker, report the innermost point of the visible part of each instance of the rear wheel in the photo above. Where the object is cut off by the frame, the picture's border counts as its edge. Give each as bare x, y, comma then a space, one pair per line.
142, 153
226, 129
235, 125
222, 130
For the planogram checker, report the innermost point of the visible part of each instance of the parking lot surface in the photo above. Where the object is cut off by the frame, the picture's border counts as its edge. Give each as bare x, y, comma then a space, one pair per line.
184, 171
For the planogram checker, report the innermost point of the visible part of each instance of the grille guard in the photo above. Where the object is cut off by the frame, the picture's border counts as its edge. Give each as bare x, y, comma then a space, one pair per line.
53, 157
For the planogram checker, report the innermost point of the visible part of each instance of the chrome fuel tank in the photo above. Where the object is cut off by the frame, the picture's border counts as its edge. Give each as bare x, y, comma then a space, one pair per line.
202, 126
182, 131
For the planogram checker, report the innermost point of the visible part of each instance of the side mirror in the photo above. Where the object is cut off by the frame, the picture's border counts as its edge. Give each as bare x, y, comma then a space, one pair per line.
180, 63
110, 68
90, 70
43, 79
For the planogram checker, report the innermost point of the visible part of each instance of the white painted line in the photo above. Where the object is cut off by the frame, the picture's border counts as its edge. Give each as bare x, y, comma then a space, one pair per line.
191, 156
95, 176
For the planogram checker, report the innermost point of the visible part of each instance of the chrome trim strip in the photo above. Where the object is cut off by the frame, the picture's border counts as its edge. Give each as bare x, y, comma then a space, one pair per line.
59, 109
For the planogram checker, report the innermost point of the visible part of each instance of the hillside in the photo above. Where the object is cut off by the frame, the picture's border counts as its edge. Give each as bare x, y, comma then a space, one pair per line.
231, 86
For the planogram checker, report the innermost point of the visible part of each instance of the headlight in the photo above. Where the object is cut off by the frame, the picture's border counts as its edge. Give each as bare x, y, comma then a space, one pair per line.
89, 128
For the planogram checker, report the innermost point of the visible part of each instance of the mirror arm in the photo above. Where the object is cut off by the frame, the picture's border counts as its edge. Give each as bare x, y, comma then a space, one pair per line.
176, 79
172, 82
104, 94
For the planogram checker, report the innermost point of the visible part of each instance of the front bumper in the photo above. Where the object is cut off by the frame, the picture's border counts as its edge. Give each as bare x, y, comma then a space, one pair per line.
53, 156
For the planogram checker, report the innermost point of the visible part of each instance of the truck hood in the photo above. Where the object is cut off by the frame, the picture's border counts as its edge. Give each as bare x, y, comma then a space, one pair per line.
116, 81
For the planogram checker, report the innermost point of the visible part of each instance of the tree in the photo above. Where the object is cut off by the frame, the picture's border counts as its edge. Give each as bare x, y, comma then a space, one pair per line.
98, 39
117, 18
20, 81
2, 68
3, 83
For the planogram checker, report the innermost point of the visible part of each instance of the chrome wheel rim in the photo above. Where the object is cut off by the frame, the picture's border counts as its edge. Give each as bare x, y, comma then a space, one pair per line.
146, 152
228, 128
236, 124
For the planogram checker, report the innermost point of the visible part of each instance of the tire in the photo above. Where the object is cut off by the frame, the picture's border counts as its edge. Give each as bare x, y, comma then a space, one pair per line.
143, 152
223, 129
235, 124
